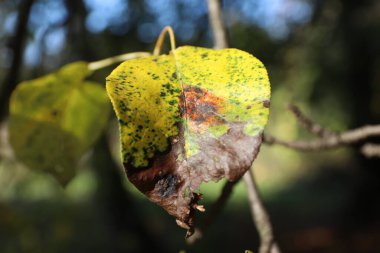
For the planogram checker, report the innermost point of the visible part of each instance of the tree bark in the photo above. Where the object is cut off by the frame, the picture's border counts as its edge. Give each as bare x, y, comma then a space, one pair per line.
16, 44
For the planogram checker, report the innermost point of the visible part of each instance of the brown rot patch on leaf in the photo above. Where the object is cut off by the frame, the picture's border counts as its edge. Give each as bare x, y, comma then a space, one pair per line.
193, 116
162, 183
172, 183
145, 179
230, 156
201, 107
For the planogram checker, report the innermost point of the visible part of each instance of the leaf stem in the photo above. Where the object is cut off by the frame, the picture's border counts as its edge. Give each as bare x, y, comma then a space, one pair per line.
115, 59
160, 40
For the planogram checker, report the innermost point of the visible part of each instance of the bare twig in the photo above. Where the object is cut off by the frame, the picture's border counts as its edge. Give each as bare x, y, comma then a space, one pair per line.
213, 212
219, 203
371, 150
259, 214
307, 123
329, 140
216, 22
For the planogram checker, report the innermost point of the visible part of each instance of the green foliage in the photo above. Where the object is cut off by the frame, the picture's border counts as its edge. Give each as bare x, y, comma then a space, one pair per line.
54, 119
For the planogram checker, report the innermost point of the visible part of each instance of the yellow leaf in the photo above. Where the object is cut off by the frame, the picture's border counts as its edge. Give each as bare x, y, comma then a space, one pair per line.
56, 118
189, 117
145, 98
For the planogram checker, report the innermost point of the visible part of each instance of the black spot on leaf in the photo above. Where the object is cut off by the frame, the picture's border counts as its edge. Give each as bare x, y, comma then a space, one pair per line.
266, 103
204, 55
167, 185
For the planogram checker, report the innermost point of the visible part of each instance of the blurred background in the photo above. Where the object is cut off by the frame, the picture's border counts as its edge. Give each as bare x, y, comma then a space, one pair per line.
323, 55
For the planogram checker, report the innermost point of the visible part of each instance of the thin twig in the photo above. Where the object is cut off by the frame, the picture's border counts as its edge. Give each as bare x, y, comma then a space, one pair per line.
259, 214
219, 203
213, 212
216, 22
307, 123
371, 150
329, 140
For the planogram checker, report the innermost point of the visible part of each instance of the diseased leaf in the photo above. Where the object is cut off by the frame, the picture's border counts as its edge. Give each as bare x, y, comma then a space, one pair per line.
189, 117
56, 118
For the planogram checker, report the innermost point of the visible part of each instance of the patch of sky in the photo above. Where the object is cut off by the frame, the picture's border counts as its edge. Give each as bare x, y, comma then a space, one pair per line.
10, 23
112, 14
32, 54
47, 13
187, 17
183, 15
54, 40
46, 20
274, 16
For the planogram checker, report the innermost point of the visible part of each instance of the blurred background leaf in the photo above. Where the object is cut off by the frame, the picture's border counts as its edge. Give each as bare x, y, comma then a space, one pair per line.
54, 119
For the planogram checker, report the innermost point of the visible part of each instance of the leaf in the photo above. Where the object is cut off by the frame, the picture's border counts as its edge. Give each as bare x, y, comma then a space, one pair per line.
189, 117
54, 119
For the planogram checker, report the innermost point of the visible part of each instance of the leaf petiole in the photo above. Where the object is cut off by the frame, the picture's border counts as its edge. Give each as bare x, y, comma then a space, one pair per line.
92, 66
160, 40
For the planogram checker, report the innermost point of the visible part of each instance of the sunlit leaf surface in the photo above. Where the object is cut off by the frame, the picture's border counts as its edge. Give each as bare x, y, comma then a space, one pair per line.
186, 118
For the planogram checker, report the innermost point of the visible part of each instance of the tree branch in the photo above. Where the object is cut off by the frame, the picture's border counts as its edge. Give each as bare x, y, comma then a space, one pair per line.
216, 22
259, 214
214, 211
219, 203
332, 141
329, 140
307, 123
370, 150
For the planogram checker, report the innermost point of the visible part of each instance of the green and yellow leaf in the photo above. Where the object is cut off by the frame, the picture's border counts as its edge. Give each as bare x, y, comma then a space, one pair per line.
56, 118
189, 117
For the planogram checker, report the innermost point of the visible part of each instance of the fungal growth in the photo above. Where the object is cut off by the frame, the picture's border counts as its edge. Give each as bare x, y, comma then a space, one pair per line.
193, 116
